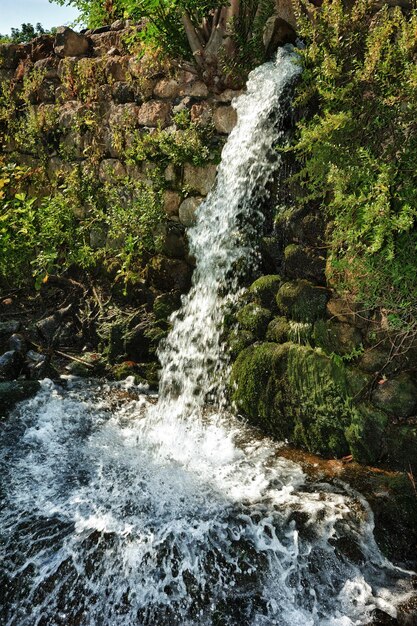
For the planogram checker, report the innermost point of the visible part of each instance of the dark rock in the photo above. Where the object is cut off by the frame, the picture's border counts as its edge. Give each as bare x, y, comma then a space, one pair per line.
338, 338
13, 392
400, 450
123, 93
42, 47
397, 396
302, 301
99, 30
11, 364
70, 44
173, 241
168, 274
49, 327
38, 366
366, 434
18, 343
166, 304
374, 360
302, 262
9, 328
12, 54
277, 32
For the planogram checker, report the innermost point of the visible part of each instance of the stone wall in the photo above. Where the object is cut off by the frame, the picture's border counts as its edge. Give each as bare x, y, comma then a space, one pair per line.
93, 108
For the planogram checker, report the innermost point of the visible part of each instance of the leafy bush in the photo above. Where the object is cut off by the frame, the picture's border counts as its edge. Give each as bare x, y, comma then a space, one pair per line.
357, 147
46, 235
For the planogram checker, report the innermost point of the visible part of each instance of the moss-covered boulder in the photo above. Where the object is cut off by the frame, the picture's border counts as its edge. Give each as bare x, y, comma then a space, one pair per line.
166, 304
254, 318
278, 330
366, 435
302, 301
302, 262
358, 382
265, 289
257, 390
121, 371
294, 392
238, 340
401, 447
319, 400
397, 396
12, 392
338, 338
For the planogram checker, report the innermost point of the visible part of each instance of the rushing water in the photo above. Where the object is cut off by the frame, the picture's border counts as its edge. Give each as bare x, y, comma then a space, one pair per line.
121, 509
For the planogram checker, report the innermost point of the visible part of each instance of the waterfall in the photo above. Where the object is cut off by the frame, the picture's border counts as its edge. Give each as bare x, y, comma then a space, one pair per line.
121, 509
192, 358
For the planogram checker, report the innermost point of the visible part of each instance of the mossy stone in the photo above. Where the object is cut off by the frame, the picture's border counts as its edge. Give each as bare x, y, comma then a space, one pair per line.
358, 382
373, 360
257, 390
302, 301
278, 330
238, 340
401, 450
128, 368
254, 318
166, 304
265, 289
294, 392
318, 398
337, 337
397, 396
12, 392
301, 262
366, 434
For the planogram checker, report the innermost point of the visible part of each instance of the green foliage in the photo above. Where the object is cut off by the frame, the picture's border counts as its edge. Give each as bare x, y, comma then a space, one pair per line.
95, 13
357, 148
46, 235
191, 30
188, 142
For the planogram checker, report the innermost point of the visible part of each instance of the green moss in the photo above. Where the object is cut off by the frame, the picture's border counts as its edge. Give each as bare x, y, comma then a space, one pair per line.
166, 304
254, 318
128, 368
301, 262
317, 396
401, 449
278, 330
358, 382
238, 340
366, 434
337, 338
265, 289
302, 301
294, 392
257, 390
300, 332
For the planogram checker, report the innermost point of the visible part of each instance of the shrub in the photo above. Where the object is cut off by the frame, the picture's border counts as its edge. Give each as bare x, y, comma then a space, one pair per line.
357, 148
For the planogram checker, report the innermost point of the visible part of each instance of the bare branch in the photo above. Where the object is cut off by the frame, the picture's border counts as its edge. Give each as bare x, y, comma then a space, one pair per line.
193, 39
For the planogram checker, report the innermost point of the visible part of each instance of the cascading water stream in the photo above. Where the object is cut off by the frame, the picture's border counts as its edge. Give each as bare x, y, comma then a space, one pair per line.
138, 512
